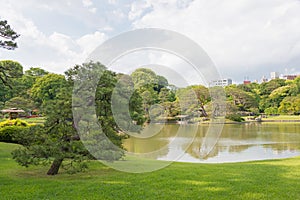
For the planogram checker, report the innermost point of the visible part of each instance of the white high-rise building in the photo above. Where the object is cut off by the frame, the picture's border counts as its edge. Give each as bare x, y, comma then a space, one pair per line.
274, 75
222, 82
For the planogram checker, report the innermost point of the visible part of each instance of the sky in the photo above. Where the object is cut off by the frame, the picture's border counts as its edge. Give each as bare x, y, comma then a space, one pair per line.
244, 39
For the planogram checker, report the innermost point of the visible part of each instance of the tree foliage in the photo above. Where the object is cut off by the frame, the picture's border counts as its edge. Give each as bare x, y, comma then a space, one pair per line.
243, 100
58, 141
21, 103
9, 36
47, 87
9, 70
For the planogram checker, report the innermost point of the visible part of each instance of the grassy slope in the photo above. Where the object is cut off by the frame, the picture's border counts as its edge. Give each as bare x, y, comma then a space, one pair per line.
276, 179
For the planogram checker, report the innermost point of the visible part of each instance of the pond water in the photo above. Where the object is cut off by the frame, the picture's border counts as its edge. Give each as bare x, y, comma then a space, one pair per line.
237, 143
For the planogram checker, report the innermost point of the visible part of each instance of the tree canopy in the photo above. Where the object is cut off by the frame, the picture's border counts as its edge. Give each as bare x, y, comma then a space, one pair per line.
10, 70
8, 35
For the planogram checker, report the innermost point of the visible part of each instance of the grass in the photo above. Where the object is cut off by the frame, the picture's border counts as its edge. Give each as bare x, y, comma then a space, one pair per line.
284, 117
37, 120
274, 179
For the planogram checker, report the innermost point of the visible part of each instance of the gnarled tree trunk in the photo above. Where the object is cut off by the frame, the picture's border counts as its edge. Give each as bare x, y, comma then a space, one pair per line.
55, 167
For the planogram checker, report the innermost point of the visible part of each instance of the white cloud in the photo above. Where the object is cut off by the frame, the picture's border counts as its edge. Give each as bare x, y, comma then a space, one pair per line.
118, 14
137, 9
93, 10
243, 37
90, 41
112, 2
87, 3
240, 36
55, 52
107, 28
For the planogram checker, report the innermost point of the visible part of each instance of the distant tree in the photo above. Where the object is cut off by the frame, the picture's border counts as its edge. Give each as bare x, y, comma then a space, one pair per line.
280, 93
296, 81
188, 101
203, 97
8, 71
266, 88
162, 82
252, 87
9, 36
243, 100
144, 79
36, 72
47, 87
290, 105
20, 102
149, 85
23, 84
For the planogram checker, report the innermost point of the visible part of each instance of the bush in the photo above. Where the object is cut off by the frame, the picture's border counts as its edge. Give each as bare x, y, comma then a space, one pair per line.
13, 122
7, 133
235, 117
10, 128
271, 111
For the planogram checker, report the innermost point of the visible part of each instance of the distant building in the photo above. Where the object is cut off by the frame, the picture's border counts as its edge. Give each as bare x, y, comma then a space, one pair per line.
246, 82
274, 75
289, 77
222, 82
264, 79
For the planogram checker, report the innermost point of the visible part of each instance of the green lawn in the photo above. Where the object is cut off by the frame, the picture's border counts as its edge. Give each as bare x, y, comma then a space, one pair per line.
37, 120
284, 117
276, 179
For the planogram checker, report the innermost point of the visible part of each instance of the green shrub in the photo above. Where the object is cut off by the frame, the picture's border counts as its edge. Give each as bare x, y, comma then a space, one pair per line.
271, 111
7, 133
10, 128
235, 117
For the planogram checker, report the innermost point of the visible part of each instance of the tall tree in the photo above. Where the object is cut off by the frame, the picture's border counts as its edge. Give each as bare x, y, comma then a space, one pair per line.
58, 142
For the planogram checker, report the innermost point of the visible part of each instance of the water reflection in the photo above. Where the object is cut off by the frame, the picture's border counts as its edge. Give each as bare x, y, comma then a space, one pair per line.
238, 142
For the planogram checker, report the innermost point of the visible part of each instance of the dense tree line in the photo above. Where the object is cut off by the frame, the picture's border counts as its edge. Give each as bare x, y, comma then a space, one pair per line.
34, 87
123, 103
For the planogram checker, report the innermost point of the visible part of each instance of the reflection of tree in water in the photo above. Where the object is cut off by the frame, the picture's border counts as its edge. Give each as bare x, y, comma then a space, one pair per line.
238, 148
285, 138
234, 138
282, 147
241, 131
158, 142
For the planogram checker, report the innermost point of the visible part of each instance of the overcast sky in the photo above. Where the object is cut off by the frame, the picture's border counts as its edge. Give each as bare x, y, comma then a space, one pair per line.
244, 38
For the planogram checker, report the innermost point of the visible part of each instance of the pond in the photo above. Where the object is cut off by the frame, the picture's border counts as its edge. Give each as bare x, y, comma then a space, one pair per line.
237, 143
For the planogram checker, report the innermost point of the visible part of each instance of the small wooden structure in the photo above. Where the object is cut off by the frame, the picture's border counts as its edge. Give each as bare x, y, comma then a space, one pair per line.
182, 119
13, 112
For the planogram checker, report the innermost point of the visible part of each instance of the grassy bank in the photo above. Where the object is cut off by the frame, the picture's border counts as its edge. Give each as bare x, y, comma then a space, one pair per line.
276, 179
